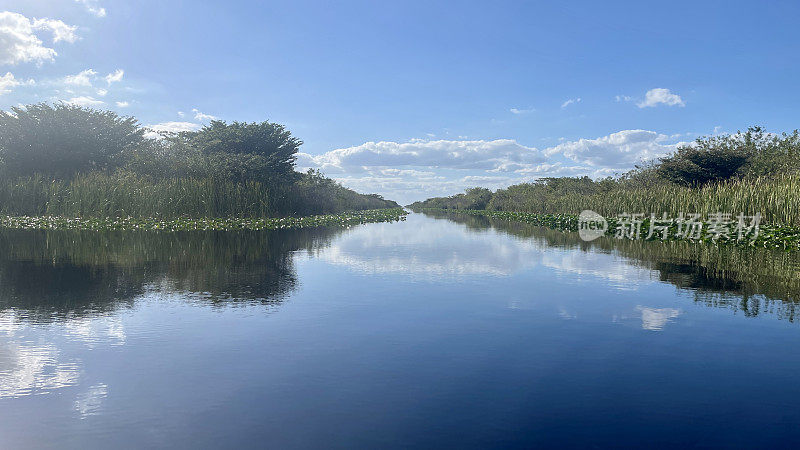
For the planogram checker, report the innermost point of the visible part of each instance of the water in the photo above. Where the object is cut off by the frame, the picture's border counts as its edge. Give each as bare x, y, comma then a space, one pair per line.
437, 331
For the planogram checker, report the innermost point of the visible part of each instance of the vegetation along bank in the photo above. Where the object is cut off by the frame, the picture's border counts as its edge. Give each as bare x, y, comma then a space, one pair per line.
69, 161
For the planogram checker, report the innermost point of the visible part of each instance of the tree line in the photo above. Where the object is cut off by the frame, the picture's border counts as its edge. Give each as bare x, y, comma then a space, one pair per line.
63, 159
751, 171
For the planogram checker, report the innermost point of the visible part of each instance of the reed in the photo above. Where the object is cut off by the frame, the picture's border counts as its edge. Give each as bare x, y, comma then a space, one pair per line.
124, 194
777, 199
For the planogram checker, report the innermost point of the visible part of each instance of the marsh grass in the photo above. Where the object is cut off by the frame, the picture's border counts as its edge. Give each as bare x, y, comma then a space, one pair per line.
99, 195
125, 194
777, 199
769, 236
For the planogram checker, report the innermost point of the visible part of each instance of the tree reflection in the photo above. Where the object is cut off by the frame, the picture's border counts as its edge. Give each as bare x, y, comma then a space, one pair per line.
51, 274
753, 281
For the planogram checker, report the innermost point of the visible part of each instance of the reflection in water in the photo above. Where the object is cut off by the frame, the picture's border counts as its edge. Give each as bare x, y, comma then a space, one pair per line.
52, 274
28, 368
654, 319
141, 339
90, 402
430, 250
72, 283
752, 281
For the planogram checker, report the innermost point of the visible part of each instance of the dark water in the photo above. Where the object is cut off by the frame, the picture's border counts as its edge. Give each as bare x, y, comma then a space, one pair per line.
434, 332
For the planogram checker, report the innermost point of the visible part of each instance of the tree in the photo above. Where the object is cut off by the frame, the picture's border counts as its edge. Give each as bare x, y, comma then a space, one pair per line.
777, 155
715, 158
477, 198
62, 140
266, 150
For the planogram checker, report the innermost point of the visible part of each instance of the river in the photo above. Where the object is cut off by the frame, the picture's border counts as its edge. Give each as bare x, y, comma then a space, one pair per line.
439, 331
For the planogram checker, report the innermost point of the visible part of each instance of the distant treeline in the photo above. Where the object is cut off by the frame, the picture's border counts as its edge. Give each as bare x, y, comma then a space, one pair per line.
67, 160
750, 172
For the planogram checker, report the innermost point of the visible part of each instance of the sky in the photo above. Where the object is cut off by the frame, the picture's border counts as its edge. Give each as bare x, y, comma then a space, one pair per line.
420, 99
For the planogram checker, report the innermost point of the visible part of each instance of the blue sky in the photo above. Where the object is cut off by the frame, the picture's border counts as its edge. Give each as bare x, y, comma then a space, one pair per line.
414, 99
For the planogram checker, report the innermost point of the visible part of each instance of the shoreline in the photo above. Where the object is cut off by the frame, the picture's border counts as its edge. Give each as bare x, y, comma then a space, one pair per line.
770, 236
201, 224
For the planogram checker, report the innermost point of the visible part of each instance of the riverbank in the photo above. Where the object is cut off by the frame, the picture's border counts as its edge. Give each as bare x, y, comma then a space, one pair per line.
202, 224
769, 235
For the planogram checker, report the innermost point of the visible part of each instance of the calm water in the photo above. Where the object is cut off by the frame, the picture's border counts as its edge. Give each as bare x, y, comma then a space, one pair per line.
432, 332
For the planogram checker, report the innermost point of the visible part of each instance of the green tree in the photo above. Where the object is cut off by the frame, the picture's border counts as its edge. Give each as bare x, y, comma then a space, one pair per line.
262, 150
714, 158
61, 140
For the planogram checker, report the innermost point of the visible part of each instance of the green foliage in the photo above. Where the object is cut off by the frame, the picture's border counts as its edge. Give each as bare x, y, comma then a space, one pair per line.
315, 193
778, 155
126, 194
750, 154
710, 159
62, 140
262, 150
474, 198
66, 160
777, 199
750, 172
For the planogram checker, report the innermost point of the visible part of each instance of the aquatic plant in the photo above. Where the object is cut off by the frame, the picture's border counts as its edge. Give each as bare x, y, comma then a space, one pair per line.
769, 236
776, 198
207, 224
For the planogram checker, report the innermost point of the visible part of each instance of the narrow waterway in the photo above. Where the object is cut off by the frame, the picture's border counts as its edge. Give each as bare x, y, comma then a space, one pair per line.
436, 331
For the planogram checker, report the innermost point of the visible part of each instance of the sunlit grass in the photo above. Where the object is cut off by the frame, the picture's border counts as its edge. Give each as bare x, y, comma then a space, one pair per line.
776, 199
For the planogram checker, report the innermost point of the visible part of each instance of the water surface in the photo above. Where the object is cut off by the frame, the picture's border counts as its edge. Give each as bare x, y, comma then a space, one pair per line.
437, 331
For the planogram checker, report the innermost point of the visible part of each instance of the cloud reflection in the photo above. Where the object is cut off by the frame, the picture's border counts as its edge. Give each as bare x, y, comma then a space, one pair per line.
654, 319
33, 359
90, 402
27, 369
424, 248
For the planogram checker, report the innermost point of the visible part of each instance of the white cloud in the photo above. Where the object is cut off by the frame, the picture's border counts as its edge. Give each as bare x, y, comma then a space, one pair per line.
93, 7
570, 102
19, 42
623, 98
171, 127
621, 150
8, 82
102, 92
115, 76
60, 30
85, 101
200, 116
123, 104
418, 169
521, 110
660, 96
500, 154
83, 78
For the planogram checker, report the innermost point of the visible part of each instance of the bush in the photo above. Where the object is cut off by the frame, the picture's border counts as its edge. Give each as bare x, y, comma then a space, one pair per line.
264, 150
62, 140
750, 154
67, 160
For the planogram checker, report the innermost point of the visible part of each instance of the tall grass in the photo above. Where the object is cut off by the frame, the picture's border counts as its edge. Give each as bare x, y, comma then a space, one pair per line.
122, 195
128, 195
777, 199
